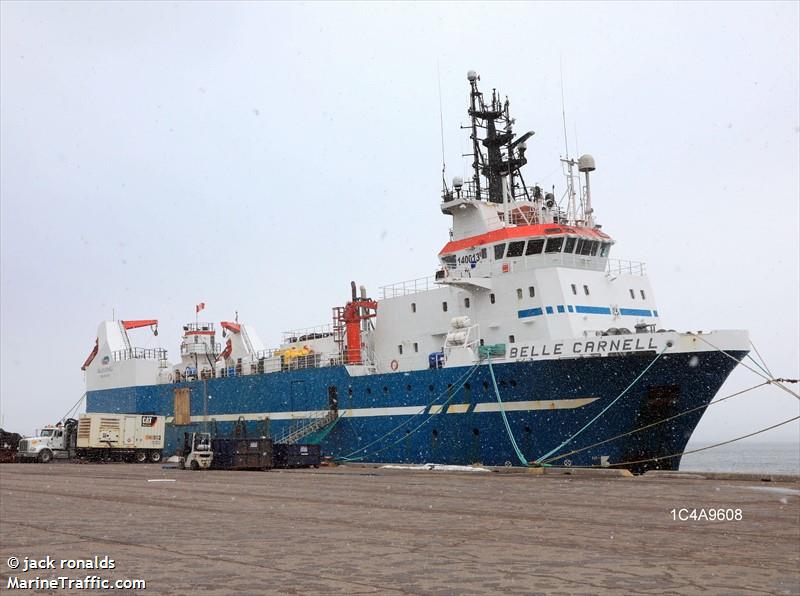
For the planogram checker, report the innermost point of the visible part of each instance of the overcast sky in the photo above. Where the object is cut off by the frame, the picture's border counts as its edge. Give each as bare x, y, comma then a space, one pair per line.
258, 157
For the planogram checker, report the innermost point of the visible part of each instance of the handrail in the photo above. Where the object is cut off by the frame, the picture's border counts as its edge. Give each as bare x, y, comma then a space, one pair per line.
410, 286
139, 353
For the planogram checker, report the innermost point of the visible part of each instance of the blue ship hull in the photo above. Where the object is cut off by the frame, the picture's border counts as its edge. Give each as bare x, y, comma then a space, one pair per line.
674, 384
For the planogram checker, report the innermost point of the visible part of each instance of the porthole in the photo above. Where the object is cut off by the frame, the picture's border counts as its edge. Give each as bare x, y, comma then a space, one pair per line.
369, 391
430, 388
466, 302
413, 307
586, 290
642, 293
519, 293
385, 389
574, 289
476, 432
491, 298
513, 383
444, 306
633, 295
408, 387
511, 339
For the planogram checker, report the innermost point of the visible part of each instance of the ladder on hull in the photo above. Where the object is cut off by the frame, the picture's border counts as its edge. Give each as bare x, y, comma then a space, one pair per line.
294, 434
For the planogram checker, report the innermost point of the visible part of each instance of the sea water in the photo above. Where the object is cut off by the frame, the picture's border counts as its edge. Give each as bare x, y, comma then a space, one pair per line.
744, 456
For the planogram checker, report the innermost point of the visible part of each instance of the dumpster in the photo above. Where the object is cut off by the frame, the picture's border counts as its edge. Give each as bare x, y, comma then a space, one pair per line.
240, 453
297, 456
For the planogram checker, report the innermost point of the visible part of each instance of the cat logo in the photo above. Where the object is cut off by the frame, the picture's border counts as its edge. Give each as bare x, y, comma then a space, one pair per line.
148, 420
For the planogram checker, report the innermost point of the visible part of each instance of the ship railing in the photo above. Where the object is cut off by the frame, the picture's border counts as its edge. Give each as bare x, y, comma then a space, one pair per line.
200, 348
410, 286
307, 333
139, 354
621, 266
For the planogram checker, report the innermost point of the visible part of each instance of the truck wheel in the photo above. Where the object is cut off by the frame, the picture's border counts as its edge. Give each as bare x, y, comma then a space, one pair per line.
140, 456
155, 457
194, 465
45, 456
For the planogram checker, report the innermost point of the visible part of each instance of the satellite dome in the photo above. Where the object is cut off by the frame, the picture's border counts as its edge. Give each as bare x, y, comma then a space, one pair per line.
586, 163
458, 182
472, 75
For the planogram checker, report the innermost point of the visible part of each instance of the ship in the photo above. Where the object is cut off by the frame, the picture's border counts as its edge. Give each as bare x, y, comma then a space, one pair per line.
529, 344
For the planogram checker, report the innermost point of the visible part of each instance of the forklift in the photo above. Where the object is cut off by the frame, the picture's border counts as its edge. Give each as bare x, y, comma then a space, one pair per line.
196, 453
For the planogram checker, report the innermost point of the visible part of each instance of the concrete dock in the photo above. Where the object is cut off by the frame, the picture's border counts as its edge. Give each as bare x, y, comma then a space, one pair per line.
359, 530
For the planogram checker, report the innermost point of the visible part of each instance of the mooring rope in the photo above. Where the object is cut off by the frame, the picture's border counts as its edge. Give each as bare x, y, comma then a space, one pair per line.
520, 456
661, 457
603, 411
641, 428
760, 357
453, 391
768, 378
73, 408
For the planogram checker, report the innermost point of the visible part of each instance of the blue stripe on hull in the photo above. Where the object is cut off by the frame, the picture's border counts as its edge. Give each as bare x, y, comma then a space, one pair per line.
670, 386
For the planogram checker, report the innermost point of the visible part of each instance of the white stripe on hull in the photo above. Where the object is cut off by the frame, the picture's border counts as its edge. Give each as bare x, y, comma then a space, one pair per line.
514, 406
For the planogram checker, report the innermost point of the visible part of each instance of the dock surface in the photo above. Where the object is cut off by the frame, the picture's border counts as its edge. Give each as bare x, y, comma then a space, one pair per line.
363, 530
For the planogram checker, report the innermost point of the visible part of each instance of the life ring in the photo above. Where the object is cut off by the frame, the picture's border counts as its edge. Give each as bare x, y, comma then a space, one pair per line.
394, 364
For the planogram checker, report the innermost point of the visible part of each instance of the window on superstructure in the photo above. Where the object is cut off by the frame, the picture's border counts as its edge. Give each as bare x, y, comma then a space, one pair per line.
511, 339
483, 252
519, 293
586, 247
444, 306
499, 249
531, 291
449, 261
633, 295
604, 249
569, 245
400, 349
491, 298
586, 290
574, 289
515, 249
554, 244
595, 246
466, 302
642, 293
416, 347
534, 247
413, 307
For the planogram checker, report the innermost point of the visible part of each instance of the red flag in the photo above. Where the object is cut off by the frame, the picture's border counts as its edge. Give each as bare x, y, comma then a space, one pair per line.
199, 307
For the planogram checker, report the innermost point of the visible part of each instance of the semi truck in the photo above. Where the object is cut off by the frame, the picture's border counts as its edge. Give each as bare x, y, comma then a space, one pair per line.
134, 437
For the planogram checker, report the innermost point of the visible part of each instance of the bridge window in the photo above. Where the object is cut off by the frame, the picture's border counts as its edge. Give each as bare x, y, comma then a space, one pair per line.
519, 293
531, 291
586, 247
515, 249
604, 249
642, 293
595, 246
569, 245
466, 302
554, 244
534, 247
499, 249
